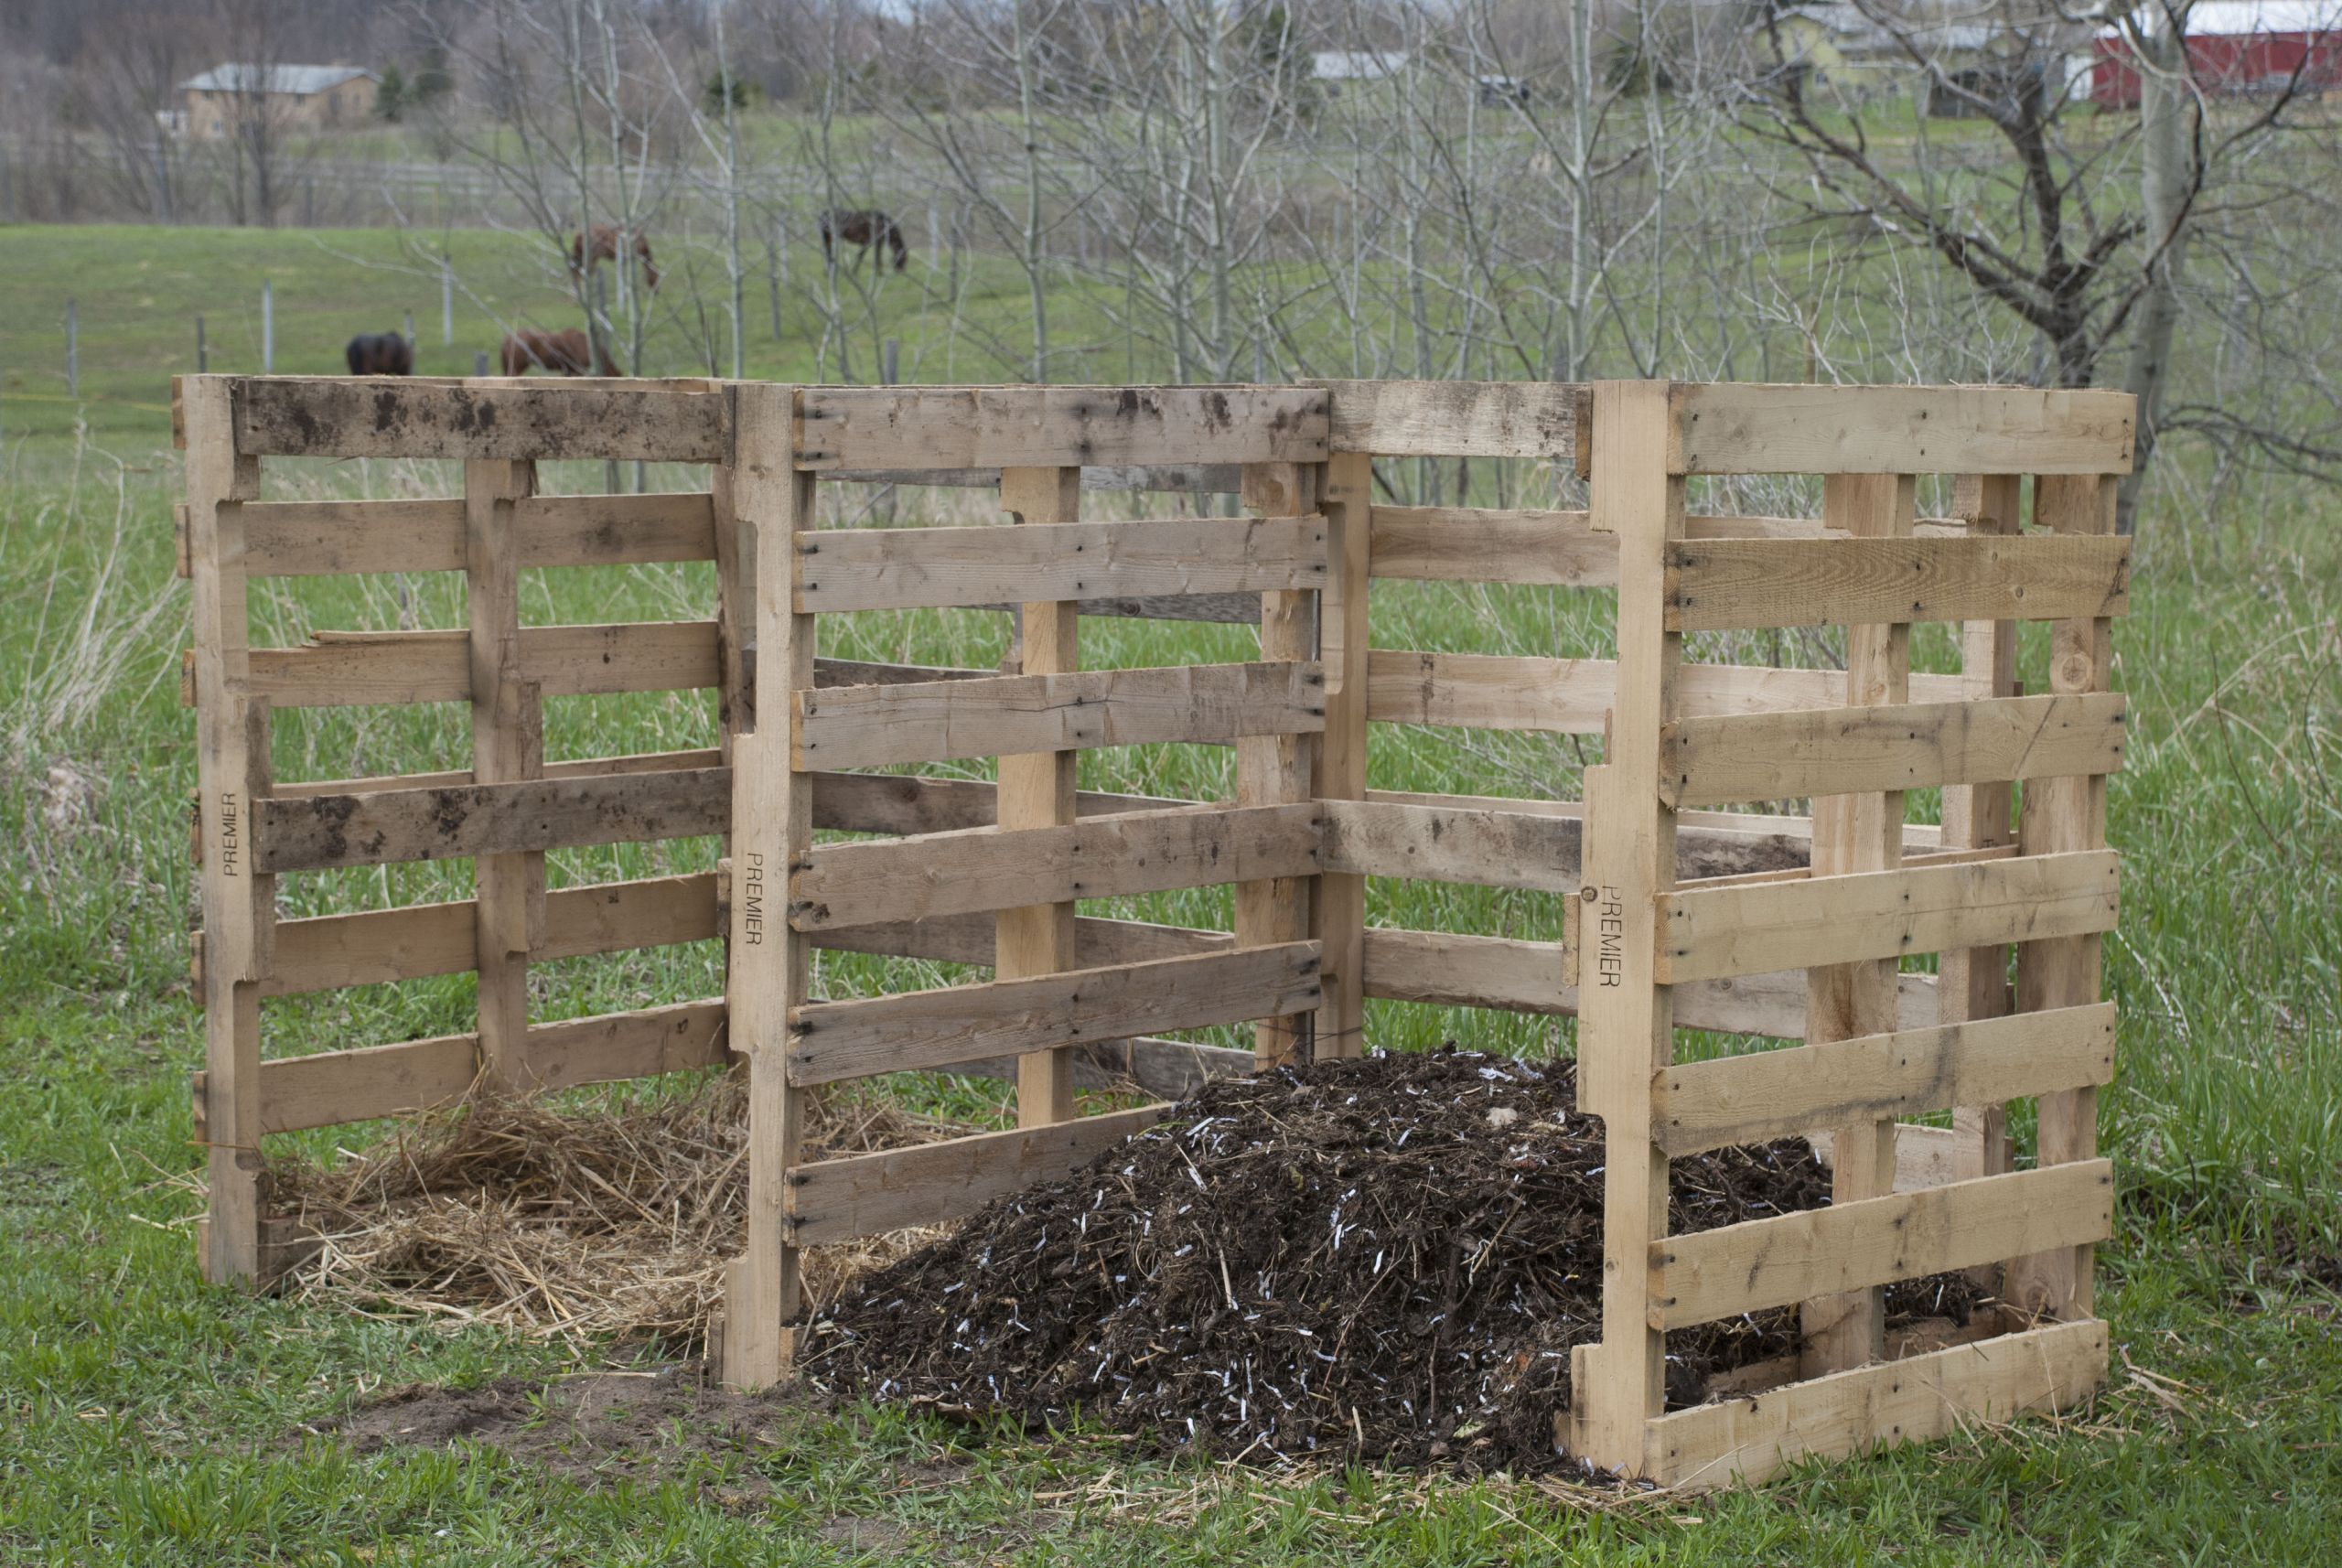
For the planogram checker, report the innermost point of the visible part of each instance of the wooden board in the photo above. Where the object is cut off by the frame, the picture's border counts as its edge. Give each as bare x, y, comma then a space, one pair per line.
935, 1184
1481, 848
1707, 933
913, 568
319, 831
1468, 544
1210, 479
573, 767
1570, 696
1913, 1400
833, 1041
969, 427
1768, 757
1763, 1095
905, 803
874, 726
1337, 912
1460, 419
346, 669
970, 940
1789, 429
306, 539
332, 416
1452, 970
1724, 584
1104, 857
1711, 1274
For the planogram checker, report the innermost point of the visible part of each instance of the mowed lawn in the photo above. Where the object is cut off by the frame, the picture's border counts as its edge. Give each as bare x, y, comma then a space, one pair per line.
145, 1418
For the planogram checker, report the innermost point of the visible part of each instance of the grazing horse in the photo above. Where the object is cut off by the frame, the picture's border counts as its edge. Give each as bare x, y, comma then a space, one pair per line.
564, 353
381, 354
605, 248
864, 228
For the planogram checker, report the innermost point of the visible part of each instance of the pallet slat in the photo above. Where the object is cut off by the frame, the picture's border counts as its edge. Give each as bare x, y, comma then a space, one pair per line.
1570, 696
349, 669
915, 568
331, 417
1765, 757
1469, 544
976, 427
1726, 585
1791, 429
1104, 857
309, 538
874, 726
1481, 848
1705, 933
934, 1183
1753, 1098
313, 832
833, 1041
1912, 1400
1711, 1274
1460, 419
1449, 970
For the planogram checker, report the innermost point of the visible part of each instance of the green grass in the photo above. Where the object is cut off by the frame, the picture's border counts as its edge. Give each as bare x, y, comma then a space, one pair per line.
148, 1419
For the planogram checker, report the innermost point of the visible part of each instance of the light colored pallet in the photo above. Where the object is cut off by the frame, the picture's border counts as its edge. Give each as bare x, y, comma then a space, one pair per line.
973, 427
1789, 429
1726, 585
329, 416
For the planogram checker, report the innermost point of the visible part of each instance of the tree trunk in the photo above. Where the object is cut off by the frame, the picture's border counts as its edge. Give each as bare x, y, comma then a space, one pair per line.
2165, 106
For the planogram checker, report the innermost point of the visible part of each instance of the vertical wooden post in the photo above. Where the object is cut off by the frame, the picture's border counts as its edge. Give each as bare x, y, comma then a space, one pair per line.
232, 772
1276, 769
1625, 1019
1850, 833
772, 834
508, 747
1036, 791
1345, 494
2060, 815
1975, 984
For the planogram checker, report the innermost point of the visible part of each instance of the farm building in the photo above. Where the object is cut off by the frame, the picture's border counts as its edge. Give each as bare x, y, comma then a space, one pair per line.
1860, 52
2235, 46
311, 97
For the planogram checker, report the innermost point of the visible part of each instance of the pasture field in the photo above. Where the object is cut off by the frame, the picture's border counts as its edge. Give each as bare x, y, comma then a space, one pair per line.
145, 1418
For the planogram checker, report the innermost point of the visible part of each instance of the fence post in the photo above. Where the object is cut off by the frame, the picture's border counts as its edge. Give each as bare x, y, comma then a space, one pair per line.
267, 328
232, 765
446, 301
410, 328
72, 349
202, 350
1036, 791
1625, 1018
773, 244
1277, 769
1345, 492
772, 831
507, 748
890, 363
479, 361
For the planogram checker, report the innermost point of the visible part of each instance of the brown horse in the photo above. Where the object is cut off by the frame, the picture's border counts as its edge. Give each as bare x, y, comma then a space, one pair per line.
864, 228
380, 354
564, 353
605, 248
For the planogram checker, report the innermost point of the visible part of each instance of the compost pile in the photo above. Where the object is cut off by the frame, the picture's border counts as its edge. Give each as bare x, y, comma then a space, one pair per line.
1385, 1260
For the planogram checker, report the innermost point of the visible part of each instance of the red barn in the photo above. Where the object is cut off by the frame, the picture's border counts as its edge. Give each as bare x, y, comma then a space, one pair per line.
2235, 46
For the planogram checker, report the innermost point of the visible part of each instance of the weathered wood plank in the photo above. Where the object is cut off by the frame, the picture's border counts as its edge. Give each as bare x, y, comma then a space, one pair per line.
972, 427
1210, 479
1705, 933
320, 831
1220, 609
970, 940
934, 1183
1102, 857
309, 538
1337, 913
1724, 584
871, 727
832, 1041
907, 804
1456, 970
1766, 757
1710, 1274
1481, 848
1790, 429
1916, 1398
915, 568
1469, 544
575, 767
1460, 419
1773, 1094
332, 416
348, 669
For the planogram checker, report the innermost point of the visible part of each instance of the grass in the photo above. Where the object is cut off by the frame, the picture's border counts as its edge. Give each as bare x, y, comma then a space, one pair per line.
149, 1419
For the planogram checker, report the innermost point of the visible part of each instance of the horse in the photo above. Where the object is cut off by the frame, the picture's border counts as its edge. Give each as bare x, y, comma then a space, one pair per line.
380, 354
864, 228
605, 248
564, 353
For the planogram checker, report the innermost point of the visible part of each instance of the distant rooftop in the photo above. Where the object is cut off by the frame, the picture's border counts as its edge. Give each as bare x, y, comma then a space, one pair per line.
295, 80
1356, 65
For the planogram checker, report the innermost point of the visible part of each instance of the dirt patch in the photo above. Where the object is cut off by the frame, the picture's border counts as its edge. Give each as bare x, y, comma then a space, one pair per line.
1387, 1260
